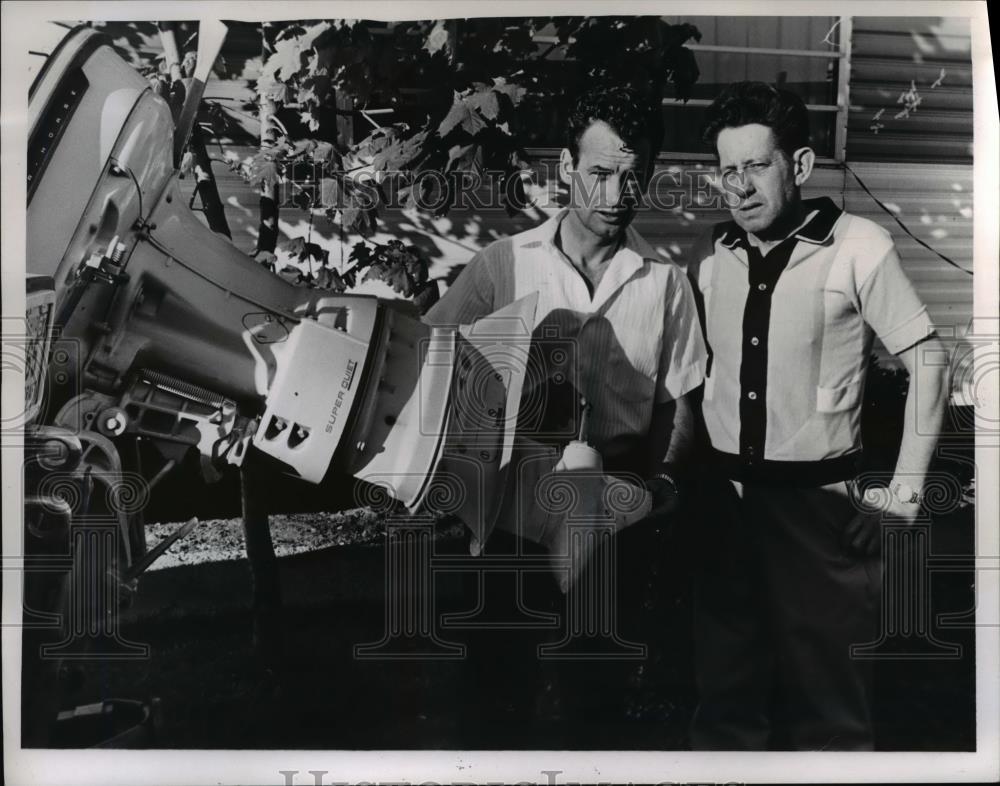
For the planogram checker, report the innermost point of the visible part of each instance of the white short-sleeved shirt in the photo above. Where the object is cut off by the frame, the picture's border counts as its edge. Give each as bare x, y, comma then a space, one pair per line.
638, 341
790, 333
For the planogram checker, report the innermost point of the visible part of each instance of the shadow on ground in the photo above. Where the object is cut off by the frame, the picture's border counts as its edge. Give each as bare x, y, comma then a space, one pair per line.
215, 693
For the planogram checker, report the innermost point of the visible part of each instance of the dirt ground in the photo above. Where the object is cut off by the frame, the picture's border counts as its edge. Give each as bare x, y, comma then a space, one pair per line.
215, 691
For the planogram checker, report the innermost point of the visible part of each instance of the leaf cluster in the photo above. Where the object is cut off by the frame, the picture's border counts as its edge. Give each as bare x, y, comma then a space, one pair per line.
403, 267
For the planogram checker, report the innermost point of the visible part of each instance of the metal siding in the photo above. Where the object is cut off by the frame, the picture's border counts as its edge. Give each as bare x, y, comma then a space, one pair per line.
891, 56
935, 202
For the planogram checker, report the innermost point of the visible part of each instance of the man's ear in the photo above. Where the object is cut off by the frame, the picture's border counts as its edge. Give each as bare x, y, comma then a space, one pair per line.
566, 166
803, 161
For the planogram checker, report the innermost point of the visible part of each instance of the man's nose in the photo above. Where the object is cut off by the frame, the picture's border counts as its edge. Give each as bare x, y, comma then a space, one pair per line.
739, 185
612, 191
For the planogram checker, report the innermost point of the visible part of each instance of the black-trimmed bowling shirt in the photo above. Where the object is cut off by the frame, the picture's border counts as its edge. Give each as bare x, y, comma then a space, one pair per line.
789, 334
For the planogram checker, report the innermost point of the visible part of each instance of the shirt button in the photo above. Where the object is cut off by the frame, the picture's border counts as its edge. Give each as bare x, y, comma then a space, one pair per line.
752, 396
762, 287
755, 341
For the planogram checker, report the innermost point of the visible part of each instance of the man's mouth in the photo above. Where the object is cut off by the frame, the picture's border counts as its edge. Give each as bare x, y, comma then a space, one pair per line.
749, 207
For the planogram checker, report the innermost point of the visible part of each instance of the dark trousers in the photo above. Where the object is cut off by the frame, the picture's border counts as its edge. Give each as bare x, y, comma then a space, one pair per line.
779, 600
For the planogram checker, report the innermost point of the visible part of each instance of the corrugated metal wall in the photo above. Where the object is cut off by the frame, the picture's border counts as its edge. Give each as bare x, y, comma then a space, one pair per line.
924, 63
935, 202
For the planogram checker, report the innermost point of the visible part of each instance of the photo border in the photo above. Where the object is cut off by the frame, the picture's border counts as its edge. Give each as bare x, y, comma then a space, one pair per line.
134, 768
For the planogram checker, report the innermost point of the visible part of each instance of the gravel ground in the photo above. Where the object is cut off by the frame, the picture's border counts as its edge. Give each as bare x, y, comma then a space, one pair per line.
221, 540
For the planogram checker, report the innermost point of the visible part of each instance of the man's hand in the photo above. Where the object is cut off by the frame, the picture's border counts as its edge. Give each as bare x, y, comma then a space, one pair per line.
925, 413
665, 496
673, 426
863, 533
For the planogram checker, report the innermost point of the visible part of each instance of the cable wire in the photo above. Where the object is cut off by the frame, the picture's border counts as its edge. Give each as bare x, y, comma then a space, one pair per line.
902, 225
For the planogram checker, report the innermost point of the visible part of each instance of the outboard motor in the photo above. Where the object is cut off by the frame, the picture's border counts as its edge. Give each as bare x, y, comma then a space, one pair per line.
148, 327
168, 333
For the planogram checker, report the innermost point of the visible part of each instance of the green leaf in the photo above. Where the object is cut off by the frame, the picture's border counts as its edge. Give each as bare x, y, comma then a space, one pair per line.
328, 278
337, 282
307, 118
330, 190
411, 195
351, 218
400, 281
416, 266
461, 157
266, 258
276, 91
286, 60
486, 103
514, 92
393, 274
378, 271
303, 250
323, 152
291, 274
397, 154
293, 247
437, 38
316, 252
361, 255
426, 296
307, 96
302, 146
403, 267
264, 171
463, 114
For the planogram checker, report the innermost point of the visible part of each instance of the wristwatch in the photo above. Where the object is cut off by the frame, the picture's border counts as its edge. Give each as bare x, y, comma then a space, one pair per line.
906, 494
661, 475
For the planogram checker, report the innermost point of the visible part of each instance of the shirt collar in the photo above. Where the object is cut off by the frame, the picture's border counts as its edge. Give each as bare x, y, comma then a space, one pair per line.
635, 249
628, 260
818, 229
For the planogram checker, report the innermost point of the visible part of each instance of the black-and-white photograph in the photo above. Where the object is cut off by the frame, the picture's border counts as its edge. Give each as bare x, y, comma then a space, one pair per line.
445, 379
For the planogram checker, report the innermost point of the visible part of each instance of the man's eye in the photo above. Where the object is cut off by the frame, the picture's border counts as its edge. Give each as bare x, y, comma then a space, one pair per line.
758, 166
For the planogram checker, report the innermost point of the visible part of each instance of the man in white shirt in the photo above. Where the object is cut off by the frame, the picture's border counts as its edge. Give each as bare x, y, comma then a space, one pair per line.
616, 325
629, 314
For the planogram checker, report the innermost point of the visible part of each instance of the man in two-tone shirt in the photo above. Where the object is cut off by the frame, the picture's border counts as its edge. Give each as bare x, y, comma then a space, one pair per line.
793, 293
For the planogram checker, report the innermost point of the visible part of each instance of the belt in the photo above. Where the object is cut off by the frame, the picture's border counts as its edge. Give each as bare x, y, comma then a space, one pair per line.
799, 474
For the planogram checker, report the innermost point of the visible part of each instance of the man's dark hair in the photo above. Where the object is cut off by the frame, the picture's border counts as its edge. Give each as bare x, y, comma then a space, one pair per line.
623, 109
743, 103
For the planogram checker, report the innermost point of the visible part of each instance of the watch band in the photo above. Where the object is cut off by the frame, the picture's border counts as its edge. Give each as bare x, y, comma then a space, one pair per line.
905, 493
669, 479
